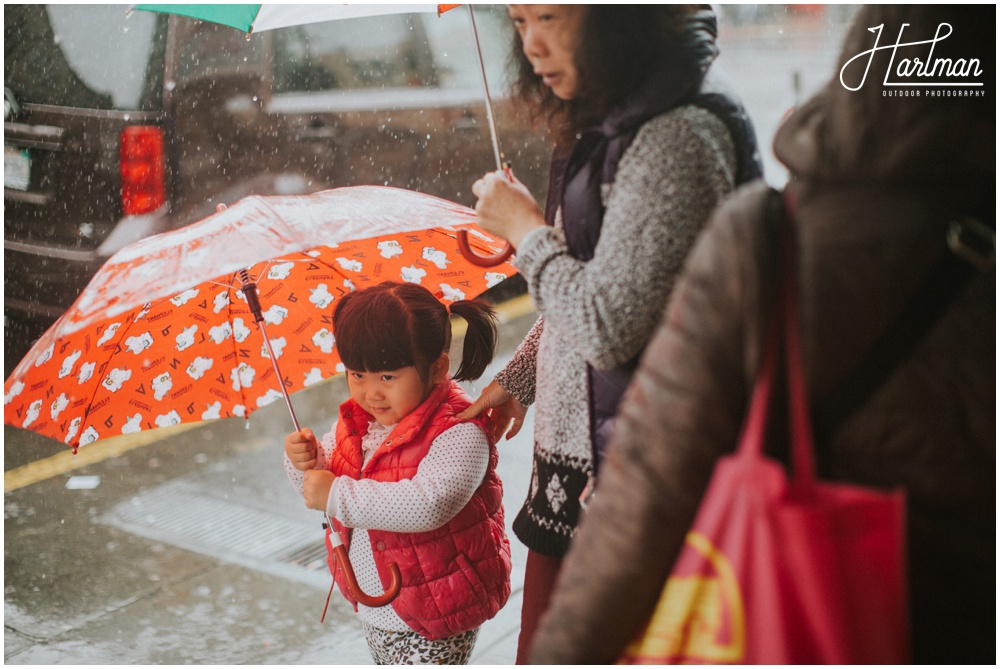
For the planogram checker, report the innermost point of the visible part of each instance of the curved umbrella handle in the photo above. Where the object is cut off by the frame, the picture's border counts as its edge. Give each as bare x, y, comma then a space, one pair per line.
463, 235
352, 582
475, 258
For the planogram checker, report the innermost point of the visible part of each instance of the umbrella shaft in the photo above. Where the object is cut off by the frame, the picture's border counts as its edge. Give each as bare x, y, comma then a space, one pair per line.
277, 371
494, 137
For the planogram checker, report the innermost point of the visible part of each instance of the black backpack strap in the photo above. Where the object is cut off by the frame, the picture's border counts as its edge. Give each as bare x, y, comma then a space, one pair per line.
972, 250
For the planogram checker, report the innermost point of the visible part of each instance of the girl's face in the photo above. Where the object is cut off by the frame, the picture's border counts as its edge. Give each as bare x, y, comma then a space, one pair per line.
549, 38
389, 396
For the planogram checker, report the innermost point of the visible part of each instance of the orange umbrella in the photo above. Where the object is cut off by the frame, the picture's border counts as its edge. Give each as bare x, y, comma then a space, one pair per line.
163, 333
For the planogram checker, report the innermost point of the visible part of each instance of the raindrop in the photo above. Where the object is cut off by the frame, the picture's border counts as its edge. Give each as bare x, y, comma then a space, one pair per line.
171, 85
127, 117
255, 98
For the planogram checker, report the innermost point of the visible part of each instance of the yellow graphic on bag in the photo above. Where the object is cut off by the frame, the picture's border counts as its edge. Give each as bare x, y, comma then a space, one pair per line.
699, 618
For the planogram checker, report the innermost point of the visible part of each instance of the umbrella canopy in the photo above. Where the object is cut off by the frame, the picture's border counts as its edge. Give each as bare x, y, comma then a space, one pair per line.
258, 18
163, 333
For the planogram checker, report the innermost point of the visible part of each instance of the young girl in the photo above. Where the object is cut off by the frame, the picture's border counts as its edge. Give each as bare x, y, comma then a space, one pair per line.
404, 481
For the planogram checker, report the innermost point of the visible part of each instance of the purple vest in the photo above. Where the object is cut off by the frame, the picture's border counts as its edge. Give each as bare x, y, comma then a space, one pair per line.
576, 176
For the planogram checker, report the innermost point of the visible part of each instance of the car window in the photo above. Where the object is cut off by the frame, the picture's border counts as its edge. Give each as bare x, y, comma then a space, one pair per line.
454, 47
392, 51
91, 56
209, 51
370, 53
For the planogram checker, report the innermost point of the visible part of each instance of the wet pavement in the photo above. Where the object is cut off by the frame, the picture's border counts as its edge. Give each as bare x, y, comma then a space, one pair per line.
194, 549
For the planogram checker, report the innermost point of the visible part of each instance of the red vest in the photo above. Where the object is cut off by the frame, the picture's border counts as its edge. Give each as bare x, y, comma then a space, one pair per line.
456, 577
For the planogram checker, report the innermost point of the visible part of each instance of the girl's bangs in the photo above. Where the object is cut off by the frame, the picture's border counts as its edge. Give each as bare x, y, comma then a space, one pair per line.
375, 345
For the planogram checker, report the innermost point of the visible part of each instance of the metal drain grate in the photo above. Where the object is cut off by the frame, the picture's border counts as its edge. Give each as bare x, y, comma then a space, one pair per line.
191, 518
308, 557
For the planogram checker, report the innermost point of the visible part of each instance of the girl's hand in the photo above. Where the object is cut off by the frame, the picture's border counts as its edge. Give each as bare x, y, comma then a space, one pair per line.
302, 449
316, 488
506, 207
504, 410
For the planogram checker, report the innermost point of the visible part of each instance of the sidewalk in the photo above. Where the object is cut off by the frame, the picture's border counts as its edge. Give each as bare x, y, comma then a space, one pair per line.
194, 550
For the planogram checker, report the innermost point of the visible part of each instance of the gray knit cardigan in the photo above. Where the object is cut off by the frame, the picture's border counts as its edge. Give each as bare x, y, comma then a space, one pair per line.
603, 311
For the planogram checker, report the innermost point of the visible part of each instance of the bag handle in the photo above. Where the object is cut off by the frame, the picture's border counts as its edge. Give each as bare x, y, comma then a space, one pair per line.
783, 327
800, 423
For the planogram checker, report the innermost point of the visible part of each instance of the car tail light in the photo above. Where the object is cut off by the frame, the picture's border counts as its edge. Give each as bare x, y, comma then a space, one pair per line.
143, 187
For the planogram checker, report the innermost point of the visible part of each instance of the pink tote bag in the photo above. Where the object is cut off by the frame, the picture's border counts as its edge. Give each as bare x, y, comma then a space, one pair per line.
778, 570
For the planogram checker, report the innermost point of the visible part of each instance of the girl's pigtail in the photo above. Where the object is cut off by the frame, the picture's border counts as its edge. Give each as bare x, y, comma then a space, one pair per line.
480, 337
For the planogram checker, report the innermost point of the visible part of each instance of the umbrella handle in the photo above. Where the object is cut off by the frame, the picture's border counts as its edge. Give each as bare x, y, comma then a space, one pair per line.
475, 258
395, 581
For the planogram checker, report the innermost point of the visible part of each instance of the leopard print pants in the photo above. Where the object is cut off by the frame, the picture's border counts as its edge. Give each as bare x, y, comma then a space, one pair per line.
388, 647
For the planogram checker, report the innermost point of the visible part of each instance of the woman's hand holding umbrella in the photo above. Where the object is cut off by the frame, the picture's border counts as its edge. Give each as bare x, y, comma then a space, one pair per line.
506, 207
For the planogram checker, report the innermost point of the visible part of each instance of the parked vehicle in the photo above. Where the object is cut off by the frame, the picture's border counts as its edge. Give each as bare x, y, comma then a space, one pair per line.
120, 125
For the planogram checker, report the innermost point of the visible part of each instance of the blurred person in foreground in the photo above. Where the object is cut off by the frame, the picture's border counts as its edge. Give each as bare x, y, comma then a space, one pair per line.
646, 147
878, 177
